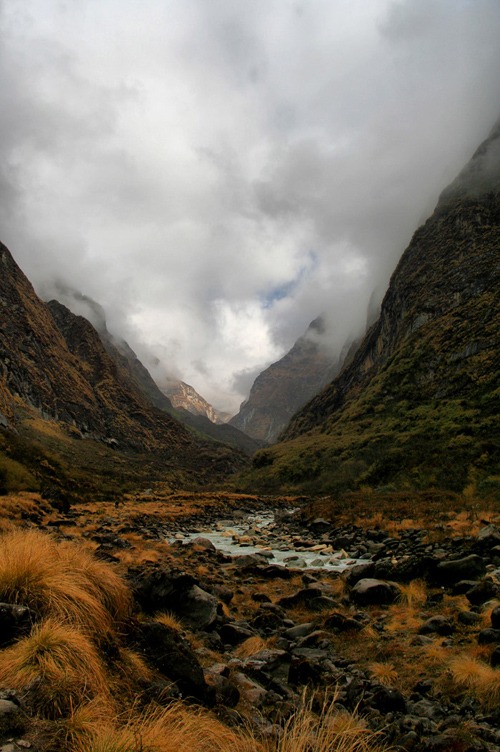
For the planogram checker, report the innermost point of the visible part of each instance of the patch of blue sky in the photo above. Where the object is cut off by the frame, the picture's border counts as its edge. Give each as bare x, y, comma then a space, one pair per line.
286, 289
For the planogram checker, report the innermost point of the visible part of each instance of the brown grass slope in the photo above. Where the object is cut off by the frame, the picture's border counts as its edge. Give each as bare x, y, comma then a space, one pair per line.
417, 406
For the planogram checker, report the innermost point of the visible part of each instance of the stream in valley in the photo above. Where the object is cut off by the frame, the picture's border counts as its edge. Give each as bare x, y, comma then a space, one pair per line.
262, 535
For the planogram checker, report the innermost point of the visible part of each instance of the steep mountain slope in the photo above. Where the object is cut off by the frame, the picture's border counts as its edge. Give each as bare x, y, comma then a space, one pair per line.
59, 386
130, 370
282, 388
120, 352
418, 404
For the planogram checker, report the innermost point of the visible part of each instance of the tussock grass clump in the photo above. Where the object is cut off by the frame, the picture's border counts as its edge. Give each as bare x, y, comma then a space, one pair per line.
170, 621
412, 594
97, 578
84, 721
385, 673
169, 730
61, 662
63, 581
331, 731
251, 646
476, 677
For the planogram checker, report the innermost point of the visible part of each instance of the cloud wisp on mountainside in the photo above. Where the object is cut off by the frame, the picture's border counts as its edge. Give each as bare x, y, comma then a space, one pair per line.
216, 175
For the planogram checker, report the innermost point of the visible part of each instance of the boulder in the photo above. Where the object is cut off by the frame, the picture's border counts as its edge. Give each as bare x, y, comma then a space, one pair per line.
369, 591
234, 633
301, 597
157, 588
483, 591
197, 609
337, 622
15, 622
489, 636
450, 571
495, 618
169, 653
437, 625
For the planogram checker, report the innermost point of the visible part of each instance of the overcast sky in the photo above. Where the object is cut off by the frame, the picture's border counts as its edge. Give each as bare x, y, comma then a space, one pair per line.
216, 173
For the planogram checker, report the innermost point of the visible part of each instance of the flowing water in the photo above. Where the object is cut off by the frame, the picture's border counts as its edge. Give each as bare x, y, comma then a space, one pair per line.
260, 534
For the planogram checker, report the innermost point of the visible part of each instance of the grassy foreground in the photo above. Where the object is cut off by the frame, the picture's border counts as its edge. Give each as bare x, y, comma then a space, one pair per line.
85, 688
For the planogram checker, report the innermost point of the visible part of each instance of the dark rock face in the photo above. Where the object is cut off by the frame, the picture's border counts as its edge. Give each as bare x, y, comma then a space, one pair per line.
428, 363
55, 366
170, 654
279, 391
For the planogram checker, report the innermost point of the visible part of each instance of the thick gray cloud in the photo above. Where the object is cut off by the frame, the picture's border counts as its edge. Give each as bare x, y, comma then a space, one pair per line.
216, 174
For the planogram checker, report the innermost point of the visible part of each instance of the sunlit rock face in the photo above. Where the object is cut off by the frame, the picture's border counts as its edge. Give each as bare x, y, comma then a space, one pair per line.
185, 396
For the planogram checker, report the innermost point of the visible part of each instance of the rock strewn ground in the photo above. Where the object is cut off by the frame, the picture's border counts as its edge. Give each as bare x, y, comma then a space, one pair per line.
410, 637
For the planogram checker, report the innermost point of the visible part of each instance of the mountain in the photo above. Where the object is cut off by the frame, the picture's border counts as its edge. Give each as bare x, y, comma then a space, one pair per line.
184, 396
117, 348
285, 386
64, 401
417, 406
132, 370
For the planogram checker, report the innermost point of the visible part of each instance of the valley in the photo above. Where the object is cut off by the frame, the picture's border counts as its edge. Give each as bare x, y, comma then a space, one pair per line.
167, 581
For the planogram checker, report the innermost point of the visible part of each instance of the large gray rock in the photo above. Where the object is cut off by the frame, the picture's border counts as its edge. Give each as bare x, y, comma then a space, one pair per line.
369, 591
197, 609
453, 570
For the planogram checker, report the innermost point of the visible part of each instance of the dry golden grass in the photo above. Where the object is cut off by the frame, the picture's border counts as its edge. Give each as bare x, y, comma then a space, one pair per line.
444, 514
85, 720
331, 731
170, 621
131, 669
412, 594
402, 618
96, 577
477, 678
62, 663
385, 673
170, 730
62, 581
251, 646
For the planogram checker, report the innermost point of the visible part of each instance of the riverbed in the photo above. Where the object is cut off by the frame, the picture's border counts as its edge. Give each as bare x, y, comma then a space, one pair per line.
262, 535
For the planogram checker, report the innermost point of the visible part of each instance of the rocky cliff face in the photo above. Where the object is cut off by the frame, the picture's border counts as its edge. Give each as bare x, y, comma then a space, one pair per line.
279, 391
415, 405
